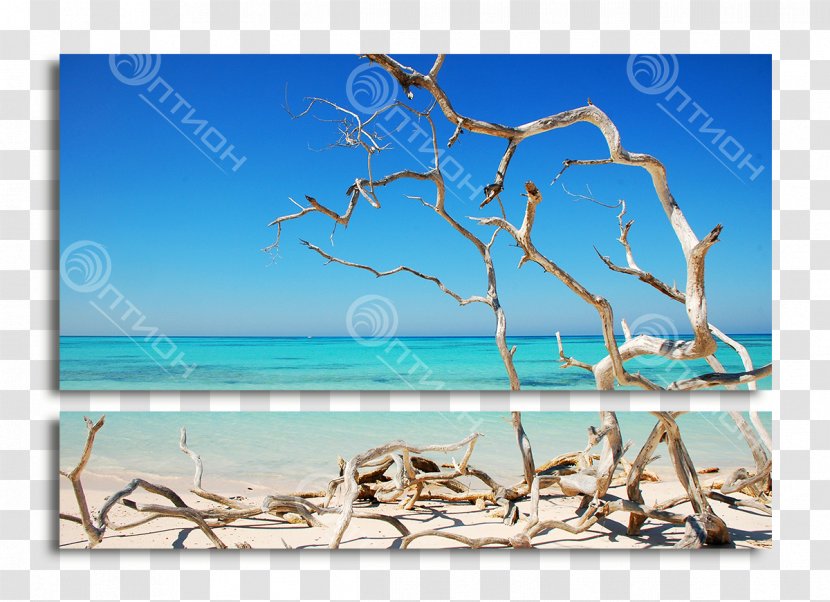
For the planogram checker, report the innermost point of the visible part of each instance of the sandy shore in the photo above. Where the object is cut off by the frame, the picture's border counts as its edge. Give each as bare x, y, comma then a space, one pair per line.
749, 528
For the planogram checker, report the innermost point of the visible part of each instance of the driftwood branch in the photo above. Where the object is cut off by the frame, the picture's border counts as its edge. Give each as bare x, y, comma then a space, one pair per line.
397, 472
714, 379
730, 381
611, 370
197, 477
379, 274
366, 187
472, 542
350, 475
569, 362
524, 448
93, 532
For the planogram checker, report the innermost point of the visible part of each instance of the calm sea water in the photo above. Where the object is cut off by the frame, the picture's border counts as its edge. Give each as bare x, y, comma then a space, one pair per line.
299, 450
419, 363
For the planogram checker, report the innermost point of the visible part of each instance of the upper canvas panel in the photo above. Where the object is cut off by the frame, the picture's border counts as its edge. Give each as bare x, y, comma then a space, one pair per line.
344, 222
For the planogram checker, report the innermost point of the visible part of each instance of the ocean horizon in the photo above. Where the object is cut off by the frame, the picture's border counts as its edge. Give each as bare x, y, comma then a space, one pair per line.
197, 362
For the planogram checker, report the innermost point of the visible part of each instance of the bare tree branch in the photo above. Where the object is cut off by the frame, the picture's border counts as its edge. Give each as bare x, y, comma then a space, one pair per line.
568, 361
366, 188
461, 300
94, 533
611, 369
715, 379
350, 474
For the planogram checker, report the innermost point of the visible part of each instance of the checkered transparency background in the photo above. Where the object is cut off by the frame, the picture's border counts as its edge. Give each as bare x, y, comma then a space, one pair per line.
34, 33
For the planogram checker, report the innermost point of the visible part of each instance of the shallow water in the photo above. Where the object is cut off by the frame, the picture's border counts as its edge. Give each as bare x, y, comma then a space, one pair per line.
418, 363
299, 450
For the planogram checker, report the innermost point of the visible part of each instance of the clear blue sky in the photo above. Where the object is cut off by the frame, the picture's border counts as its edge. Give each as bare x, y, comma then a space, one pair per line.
185, 238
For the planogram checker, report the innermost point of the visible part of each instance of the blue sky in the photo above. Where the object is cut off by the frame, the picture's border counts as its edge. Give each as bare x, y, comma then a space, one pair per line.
185, 237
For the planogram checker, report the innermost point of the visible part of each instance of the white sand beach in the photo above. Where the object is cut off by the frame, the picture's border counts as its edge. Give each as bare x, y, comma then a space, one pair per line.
748, 527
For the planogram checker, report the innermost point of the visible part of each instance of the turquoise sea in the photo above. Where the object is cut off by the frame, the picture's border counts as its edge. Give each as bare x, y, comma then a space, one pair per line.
342, 363
298, 450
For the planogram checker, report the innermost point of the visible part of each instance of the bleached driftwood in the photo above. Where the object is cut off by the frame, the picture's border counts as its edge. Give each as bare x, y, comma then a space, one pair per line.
635, 475
179, 509
704, 526
93, 533
716, 495
612, 368
524, 447
763, 465
730, 381
228, 511
694, 250
567, 361
755, 484
395, 473
355, 134
404, 480
591, 481
472, 542
197, 476
762, 431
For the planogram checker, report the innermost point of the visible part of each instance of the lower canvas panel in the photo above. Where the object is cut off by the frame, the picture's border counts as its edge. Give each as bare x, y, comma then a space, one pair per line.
401, 480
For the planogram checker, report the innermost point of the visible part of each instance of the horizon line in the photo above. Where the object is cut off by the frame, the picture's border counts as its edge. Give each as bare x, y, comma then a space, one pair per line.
403, 336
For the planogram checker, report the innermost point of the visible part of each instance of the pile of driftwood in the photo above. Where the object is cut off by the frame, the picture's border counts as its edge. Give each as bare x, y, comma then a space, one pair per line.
399, 474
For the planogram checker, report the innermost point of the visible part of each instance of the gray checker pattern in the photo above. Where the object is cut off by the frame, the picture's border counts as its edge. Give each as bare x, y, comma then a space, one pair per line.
32, 34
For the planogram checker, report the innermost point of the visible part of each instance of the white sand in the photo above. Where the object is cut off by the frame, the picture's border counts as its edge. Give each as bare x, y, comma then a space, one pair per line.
749, 528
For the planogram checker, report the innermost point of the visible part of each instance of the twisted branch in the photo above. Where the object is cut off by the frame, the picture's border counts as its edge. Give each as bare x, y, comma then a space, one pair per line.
379, 274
